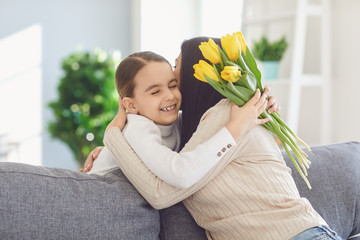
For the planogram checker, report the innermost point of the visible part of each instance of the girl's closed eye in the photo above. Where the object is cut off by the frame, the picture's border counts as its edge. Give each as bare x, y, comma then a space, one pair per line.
173, 83
155, 92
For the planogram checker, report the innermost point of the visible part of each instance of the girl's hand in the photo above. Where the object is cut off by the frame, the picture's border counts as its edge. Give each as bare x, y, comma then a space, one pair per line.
91, 158
118, 121
120, 118
272, 106
245, 117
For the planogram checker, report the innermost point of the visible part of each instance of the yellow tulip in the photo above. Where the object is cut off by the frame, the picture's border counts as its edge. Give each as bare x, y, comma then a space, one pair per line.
198, 73
210, 51
231, 45
203, 69
241, 38
231, 73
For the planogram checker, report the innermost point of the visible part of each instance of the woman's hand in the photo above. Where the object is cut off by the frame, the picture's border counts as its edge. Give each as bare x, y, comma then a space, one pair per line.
91, 158
120, 118
272, 106
245, 117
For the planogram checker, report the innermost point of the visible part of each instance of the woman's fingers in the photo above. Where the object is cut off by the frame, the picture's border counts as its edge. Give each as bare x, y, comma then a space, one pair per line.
255, 98
271, 101
262, 107
272, 105
262, 121
273, 108
267, 90
262, 100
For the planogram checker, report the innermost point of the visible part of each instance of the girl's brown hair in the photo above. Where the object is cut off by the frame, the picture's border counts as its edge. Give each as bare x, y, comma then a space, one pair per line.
129, 67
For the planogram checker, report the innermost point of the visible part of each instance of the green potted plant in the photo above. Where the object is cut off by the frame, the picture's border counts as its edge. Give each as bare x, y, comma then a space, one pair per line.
87, 101
270, 54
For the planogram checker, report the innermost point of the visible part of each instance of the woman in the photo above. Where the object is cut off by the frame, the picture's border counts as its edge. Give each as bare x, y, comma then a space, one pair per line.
161, 195
320, 175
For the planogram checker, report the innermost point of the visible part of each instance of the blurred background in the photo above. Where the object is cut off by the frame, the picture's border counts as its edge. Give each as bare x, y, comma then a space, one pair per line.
316, 84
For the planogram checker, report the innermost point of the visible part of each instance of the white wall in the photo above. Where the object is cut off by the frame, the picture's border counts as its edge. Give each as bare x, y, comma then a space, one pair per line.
165, 24
47, 31
345, 49
346, 78
60, 26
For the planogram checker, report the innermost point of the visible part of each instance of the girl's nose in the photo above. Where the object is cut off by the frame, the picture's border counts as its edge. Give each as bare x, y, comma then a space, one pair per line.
169, 95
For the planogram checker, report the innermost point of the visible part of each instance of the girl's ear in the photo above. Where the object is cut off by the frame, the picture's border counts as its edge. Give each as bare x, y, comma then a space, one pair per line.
130, 105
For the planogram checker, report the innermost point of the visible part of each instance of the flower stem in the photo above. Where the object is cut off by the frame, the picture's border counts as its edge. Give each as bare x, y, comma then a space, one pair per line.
278, 118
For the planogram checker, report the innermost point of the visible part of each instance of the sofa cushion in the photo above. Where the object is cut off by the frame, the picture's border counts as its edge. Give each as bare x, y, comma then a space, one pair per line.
177, 224
335, 176
50, 203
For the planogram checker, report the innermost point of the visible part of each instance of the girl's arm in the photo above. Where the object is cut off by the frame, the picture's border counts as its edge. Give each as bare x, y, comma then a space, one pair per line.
184, 169
272, 107
118, 121
180, 170
158, 193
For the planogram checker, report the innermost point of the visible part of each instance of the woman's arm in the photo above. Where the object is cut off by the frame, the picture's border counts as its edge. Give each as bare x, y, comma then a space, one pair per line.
180, 170
186, 168
272, 107
158, 193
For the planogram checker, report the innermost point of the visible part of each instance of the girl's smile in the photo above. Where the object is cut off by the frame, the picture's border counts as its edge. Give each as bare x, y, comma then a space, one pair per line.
156, 94
168, 109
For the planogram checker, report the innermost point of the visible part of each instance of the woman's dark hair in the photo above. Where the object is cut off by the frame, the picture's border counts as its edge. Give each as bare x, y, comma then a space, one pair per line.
129, 67
197, 96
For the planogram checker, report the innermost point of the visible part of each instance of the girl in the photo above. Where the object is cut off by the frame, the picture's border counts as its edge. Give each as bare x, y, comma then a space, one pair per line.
150, 93
249, 194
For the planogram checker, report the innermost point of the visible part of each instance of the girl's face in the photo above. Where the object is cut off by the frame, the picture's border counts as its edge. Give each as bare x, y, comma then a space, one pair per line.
156, 94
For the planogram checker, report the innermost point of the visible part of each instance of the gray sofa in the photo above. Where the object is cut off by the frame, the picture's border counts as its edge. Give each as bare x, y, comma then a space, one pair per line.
51, 203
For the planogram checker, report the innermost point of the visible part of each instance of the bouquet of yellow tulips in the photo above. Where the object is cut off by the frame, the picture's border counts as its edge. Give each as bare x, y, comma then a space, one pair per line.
234, 74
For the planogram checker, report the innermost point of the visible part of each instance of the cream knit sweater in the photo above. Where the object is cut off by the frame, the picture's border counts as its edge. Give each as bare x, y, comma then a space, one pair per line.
249, 194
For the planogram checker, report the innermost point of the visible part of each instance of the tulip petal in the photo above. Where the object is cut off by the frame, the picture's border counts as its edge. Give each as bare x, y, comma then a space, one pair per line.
210, 51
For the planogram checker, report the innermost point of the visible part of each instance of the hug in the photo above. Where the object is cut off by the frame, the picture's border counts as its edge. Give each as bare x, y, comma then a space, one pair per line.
211, 169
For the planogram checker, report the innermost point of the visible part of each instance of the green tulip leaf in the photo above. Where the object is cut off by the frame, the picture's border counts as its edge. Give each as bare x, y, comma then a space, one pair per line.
251, 63
215, 85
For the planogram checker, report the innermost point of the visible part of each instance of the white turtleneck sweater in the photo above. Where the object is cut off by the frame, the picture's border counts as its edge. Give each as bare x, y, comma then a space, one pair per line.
158, 146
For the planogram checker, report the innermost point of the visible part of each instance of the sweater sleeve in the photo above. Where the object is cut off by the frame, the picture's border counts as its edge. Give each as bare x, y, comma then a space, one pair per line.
157, 192
182, 169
